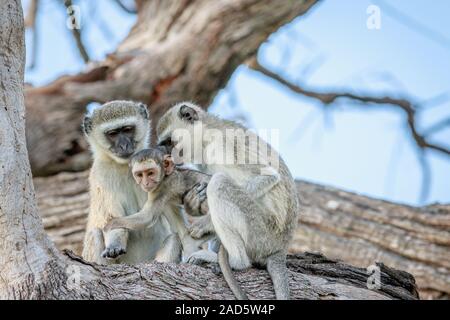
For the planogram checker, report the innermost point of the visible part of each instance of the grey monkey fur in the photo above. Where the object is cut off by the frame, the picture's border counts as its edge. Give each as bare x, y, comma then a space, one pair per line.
113, 192
253, 214
165, 199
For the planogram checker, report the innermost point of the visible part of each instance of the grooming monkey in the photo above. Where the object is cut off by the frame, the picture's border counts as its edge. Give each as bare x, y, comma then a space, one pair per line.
253, 207
166, 185
115, 131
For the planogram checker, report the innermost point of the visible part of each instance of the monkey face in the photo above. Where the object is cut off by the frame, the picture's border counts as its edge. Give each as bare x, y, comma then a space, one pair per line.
176, 128
121, 140
117, 130
147, 174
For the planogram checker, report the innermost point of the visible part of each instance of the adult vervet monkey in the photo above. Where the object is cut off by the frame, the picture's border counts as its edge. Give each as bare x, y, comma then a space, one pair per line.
115, 131
253, 207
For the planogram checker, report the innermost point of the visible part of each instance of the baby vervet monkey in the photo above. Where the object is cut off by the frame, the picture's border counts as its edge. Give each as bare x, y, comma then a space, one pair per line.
166, 185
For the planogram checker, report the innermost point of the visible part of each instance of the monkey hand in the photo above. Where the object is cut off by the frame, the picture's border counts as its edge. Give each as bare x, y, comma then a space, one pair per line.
113, 251
201, 227
202, 257
195, 201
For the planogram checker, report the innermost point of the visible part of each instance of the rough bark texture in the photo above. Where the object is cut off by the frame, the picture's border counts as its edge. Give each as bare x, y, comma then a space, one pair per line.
311, 277
342, 225
177, 50
25, 250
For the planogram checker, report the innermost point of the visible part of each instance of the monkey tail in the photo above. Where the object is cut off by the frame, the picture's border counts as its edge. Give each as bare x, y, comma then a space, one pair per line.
278, 271
228, 274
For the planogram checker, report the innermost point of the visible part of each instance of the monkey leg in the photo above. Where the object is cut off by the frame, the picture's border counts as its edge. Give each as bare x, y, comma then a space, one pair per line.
202, 257
170, 250
232, 210
93, 246
243, 226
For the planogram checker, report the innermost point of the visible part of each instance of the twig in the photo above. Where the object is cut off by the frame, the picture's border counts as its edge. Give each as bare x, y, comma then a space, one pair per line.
76, 32
124, 7
328, 98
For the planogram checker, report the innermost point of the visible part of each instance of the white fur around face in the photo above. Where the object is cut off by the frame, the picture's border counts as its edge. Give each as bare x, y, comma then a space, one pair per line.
100, 145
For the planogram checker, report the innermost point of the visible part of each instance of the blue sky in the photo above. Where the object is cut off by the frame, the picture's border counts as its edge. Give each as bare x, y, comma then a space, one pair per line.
366, 151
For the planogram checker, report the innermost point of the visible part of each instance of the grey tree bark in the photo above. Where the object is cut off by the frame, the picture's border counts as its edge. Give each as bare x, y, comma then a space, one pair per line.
32, 268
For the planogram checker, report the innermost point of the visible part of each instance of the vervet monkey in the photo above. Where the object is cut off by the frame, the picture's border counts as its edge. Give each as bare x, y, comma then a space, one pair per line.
253, 207
155, 172
115, 131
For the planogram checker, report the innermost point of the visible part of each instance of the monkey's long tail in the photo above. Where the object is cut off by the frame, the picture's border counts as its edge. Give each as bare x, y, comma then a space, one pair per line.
224, 264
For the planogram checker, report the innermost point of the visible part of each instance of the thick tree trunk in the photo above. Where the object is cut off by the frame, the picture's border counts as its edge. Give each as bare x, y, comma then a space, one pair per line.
345, 226
177, 50
26, 253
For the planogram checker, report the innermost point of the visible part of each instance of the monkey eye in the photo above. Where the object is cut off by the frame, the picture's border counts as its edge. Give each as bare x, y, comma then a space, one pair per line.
139, 175
112, 133
127, 129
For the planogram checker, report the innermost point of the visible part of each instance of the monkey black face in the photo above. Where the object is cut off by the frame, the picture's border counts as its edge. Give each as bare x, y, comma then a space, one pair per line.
188, 114
122, 141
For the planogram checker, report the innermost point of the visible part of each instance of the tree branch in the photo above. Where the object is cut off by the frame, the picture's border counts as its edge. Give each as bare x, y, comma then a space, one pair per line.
310, 278
328, 98
176, 50
343, 225
124, 7
76, 31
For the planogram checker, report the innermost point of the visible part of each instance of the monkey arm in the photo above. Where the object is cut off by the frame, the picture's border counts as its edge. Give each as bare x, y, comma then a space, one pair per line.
103, 206
262, 182
201, 227
116, 242
195, 200
147, 217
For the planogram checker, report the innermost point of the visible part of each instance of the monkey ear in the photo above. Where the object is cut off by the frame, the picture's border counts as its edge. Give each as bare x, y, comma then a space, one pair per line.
87, 125
143, 110
168, 164
187, 113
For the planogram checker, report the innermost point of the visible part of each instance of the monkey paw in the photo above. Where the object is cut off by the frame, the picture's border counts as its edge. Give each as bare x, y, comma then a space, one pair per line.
200, 228
202, 257
113, 252
195, 201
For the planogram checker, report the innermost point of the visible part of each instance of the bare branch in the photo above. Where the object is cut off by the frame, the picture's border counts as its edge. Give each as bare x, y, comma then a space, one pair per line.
125, 8
441, 125
426, 175
414, 24
328, 98
76, 32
